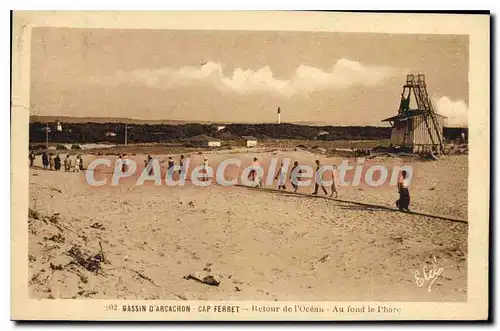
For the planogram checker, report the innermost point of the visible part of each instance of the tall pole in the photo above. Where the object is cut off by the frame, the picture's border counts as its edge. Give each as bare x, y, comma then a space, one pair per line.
126, 133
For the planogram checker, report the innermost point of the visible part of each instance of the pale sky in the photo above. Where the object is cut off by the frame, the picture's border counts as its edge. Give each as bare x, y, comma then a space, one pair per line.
231, 76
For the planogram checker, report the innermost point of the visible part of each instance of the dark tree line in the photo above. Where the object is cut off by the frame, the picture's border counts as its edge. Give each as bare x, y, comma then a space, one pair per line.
161, 133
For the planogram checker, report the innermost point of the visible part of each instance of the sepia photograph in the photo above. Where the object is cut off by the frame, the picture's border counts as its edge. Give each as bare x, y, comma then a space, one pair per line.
166, 166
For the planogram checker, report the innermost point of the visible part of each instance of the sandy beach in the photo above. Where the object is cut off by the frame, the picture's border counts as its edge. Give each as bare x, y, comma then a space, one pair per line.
261, 245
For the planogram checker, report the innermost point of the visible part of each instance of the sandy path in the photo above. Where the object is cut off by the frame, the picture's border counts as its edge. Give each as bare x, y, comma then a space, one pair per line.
436, 187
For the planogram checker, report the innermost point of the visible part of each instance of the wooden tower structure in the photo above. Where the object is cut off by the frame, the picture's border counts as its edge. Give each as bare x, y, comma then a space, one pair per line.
420, 127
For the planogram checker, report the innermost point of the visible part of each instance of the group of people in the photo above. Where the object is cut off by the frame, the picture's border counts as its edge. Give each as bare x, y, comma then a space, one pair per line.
297, 171
402, 203
282, 176
54, 163
170, 164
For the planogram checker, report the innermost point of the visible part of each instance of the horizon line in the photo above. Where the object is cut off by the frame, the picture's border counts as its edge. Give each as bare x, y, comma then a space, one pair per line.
127, 120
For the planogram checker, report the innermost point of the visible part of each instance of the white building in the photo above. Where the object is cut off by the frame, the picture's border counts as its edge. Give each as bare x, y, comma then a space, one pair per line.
205, 141
250, 141
214, 142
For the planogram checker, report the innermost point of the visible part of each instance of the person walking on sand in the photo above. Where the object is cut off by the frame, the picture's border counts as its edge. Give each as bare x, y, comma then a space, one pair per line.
170, 167
32, 158
281, 177
404, 194
124, 163
254, 172
318, 180
181, 166
57, 162
335, 183
170, 163
77, 164
45, 160
81, 163
205, 169
296, 171
150, 164
67, 163
51, 162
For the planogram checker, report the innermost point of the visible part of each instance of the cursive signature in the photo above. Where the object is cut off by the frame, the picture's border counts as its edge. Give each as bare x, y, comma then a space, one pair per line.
429, 275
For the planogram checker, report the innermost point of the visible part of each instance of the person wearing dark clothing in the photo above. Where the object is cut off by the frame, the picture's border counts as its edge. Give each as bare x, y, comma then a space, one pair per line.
318, 180
150, 164
45, 160
57, 162
170, 167
123, 163
32, 158
404, 194
170, 163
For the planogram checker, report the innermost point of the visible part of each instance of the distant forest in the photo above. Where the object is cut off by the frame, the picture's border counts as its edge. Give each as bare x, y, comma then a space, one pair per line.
168, 133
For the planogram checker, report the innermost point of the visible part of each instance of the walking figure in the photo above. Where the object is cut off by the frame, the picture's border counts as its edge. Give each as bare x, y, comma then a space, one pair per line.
205, 169
404, 194
67, 163
150, 164
51, 162
77, 164
294, 175
57, 162
281, 177
183, 163
32, 158
318, 180
45, 160
254, 173
335, 178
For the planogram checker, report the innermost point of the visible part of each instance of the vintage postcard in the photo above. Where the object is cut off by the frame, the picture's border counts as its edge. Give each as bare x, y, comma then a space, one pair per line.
250, 166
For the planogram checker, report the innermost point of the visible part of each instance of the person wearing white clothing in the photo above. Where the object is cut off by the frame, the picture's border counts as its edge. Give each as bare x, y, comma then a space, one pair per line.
205, 169
335, 178
281, 177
